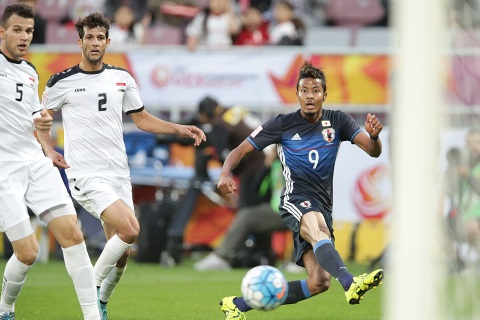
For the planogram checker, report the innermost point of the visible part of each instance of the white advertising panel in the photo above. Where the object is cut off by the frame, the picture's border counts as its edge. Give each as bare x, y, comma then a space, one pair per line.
184, 79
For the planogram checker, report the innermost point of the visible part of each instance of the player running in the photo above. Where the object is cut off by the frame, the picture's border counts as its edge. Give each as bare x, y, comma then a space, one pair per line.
308, 142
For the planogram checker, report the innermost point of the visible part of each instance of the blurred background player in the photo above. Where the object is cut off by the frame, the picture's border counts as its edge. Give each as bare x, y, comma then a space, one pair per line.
225, 128
258, 221
470, 194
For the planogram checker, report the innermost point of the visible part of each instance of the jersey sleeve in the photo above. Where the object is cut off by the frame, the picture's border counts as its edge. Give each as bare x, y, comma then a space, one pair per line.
350, 127
35, 100
132, 101
52, 98
268, 133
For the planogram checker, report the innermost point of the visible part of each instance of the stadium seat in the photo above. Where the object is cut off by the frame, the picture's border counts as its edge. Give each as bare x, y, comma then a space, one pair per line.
172, 9
375, 37
354, 13
54, 10
200, 3
5, 3
164, 35
328, 37
137, 141
59, 34
465, 38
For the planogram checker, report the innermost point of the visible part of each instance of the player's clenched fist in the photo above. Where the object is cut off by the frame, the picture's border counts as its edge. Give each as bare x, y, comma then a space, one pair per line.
226, 184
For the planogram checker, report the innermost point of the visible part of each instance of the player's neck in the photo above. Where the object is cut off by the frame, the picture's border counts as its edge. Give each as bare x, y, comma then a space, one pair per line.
312, 117
87, 66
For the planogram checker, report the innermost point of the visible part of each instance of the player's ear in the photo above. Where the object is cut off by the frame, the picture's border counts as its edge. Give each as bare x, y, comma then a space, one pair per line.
79, 42
2, 33
108, 41
324, 96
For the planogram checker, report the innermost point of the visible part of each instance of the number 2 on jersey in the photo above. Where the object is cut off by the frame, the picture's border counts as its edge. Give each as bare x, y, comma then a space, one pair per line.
102, 100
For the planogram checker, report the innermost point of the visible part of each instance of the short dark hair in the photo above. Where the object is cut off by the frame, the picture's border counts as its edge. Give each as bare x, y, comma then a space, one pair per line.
207, 106
19, 9
93, 20
309, 71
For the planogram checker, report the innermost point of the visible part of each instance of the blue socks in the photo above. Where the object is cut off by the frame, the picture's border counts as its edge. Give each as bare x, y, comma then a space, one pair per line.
330, 260
297, 291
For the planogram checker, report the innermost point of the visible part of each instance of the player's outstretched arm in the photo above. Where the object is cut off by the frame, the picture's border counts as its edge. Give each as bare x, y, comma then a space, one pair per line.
225, 181
370, 144
147, 122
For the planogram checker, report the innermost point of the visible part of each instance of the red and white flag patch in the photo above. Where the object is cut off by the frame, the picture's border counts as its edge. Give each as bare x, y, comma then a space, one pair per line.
121, 86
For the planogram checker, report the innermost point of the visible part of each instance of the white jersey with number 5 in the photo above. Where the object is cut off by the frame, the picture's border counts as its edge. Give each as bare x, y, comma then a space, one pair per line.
18, 102
92, 104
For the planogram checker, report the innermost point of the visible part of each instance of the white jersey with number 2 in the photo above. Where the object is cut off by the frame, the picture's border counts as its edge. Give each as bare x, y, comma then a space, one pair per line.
92, 105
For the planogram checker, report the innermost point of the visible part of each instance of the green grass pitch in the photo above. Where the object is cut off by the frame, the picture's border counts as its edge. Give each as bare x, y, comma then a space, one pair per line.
150, 291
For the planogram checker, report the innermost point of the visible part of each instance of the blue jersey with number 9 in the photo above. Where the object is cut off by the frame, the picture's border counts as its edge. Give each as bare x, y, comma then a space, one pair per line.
307, 150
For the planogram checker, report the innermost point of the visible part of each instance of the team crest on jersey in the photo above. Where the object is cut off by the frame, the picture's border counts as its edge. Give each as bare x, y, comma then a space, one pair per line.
328, 134
306, 204
121, 86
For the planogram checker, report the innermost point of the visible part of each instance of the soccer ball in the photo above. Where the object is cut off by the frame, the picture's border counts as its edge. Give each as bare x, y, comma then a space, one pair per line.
264, 287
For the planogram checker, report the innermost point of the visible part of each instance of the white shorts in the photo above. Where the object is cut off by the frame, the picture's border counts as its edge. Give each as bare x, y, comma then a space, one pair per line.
95, 194
36, 184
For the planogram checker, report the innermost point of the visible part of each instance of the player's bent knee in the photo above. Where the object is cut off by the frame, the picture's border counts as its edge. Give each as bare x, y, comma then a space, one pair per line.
27, 256
129, 234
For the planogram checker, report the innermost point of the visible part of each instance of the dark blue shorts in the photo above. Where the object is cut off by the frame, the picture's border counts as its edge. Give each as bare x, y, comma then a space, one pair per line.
292, 208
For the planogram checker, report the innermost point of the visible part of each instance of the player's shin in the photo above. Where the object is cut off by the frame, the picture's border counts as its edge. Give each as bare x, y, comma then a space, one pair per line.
297, 291
114, 249
329, 259
108, 285
80, 270
13, 279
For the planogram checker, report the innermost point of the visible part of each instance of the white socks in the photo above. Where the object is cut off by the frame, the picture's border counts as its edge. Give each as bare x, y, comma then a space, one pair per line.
110, 282
80, 269
113, 250
13, 279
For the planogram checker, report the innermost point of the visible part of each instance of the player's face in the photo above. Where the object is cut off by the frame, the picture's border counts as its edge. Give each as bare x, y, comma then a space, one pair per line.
16, 37
311, 96
94, 44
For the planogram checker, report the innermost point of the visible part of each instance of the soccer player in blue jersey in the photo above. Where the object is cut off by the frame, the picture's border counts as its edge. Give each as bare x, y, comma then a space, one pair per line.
307, 143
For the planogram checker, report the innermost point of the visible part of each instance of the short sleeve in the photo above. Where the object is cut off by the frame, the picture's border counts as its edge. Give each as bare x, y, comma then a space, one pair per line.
52, 98
268, 133
36, 106
349, 127
131, 101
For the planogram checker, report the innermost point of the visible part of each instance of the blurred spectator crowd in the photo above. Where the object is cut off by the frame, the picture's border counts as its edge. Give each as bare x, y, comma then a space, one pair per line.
204, 23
